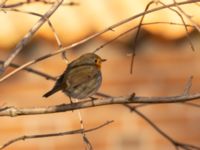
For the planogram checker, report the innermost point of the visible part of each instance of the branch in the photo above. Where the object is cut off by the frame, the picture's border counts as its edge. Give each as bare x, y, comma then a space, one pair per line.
40, 15
48, 77
132, 29
78, 131
39, 73
3, 3
13, 111
137, 36
191, 104
176, 144
183, 21
93, 36
187, 16
188, 86
31, 32
36, 1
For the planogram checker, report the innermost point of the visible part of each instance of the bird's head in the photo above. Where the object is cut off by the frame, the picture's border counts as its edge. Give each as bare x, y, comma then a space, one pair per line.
88, 59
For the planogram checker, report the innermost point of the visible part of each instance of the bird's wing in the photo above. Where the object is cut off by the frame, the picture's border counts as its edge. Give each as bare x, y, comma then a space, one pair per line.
79, 75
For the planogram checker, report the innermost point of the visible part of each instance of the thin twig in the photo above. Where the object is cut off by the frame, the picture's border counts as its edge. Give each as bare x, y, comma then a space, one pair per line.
187, 16
26, 137
3, 3
133, 28
137, 35
188, 86
176, 144
2, 108
29, 35
183, 21
149, 121
88, 145
186, 91
49, 23
17, 4
47, 19
191, 104
91, 37
34, 71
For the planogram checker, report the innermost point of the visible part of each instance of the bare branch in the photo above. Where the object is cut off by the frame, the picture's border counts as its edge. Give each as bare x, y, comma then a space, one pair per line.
2, 108
13, 111
17, 4
176, 144
188, 86
187, 16
137, 35
131, 29
3, 3
88, 145
183, 21
145, 104
42, 74
92, 36
26, 137
47, 19
29, 35
191, 104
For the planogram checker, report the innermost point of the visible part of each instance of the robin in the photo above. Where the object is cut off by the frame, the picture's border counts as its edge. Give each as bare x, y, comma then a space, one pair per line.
81, 79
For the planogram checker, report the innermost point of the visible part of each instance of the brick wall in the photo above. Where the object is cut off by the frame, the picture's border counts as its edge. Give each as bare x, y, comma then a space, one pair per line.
160, 69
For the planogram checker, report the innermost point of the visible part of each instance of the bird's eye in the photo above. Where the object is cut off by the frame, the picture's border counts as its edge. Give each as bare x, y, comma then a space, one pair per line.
96, 60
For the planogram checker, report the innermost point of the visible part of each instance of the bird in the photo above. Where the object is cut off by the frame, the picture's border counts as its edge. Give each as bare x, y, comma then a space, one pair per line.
81, 79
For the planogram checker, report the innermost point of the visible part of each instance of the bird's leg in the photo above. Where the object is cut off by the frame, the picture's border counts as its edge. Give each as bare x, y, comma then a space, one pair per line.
93, 98
64, 56
71, 102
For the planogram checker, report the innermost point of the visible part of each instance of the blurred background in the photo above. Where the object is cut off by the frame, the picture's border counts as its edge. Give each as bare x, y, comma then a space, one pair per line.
164, 61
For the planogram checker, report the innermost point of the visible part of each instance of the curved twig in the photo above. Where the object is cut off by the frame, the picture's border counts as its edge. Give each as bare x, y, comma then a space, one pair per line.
137, 36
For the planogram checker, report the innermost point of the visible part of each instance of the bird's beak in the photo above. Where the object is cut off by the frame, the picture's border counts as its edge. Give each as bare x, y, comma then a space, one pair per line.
102, 60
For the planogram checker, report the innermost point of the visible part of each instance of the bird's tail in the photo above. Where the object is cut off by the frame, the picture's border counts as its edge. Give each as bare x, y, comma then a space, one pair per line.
51, 92
58, 86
